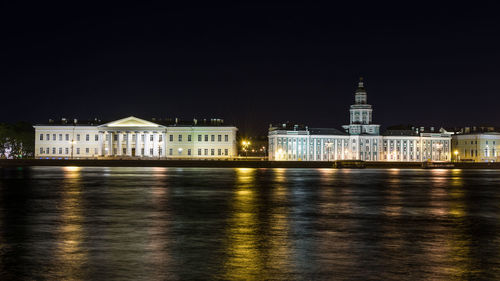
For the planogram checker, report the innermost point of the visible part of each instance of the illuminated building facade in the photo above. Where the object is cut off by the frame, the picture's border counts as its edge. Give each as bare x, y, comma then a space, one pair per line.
476, 147
360, 140
132, 137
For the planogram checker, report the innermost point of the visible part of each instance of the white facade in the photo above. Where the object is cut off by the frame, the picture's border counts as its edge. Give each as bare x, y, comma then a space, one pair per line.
134, 138
360, 141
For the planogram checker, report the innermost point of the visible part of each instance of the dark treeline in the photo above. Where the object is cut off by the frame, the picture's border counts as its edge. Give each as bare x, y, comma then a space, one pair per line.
17, 140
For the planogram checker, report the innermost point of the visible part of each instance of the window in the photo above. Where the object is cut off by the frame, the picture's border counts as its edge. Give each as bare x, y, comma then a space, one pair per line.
199, 150
47, 150
77, 150
189, 137
60, 150
53, 150
41, 136
87, 137
219, 138
78, 137
47, 137
96, 137
67, 137
150, 151
95, 151
226, 138
219, 151
160, 138
212, 151
171, 139
170, 151
180, 137
199, 137
206, 151
87, 150
66, 150
206, 137
160, 151
151, 137
212, 137
225, 152
179, 151
41, 148
189, 151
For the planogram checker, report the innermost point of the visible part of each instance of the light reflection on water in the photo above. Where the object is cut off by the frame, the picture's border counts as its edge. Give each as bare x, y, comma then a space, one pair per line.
76, 223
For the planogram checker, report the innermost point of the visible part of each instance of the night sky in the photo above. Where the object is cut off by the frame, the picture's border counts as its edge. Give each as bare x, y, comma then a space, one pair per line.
436, 64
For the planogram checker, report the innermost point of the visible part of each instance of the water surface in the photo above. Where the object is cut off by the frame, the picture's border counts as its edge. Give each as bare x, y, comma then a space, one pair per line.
71, 223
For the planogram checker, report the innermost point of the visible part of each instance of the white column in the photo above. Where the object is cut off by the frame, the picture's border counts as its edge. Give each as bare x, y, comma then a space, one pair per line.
335, 154
110, 143
342, 149
146, 144
129, 144
138, 144
155, 144
164, 147
119, 148
100, 147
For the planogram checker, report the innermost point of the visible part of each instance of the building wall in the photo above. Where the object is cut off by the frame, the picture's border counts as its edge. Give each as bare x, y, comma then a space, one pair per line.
476, 147
301, 146
66, 142
79, 142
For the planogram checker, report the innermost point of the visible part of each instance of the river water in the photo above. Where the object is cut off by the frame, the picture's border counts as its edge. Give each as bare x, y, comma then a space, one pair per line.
72, 223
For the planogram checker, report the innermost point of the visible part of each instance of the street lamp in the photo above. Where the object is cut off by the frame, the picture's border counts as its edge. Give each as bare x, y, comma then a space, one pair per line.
456, 155
245, 145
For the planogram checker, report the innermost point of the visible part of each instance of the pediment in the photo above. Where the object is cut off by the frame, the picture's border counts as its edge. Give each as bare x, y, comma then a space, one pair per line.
130, 122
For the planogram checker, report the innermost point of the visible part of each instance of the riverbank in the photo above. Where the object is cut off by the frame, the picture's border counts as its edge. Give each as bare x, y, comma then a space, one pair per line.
238, 164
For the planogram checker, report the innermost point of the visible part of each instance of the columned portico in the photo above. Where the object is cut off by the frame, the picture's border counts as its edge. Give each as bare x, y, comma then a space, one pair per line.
123, 130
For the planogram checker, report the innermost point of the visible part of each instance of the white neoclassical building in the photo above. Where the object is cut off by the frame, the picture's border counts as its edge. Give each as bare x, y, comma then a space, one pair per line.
133, 137
360, 140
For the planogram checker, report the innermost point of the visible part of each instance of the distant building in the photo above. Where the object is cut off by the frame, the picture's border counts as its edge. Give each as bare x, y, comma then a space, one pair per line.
132, 137
360, 140
476, 146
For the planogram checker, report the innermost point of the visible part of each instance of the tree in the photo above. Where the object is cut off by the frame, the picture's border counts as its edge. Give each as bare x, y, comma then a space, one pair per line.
17, 140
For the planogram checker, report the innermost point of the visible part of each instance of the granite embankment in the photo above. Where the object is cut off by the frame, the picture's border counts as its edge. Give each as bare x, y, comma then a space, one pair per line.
240, 164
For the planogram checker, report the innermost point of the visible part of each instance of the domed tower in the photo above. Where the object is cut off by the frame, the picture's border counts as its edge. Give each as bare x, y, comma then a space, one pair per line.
361, 114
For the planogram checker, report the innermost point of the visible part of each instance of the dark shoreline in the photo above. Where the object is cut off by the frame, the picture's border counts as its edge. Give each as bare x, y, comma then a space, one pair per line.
235, 164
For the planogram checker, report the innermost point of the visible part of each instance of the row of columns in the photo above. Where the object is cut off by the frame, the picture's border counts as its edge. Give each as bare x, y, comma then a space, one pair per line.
120, 136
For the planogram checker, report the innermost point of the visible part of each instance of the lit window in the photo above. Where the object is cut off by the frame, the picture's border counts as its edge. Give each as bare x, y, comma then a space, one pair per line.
206, 151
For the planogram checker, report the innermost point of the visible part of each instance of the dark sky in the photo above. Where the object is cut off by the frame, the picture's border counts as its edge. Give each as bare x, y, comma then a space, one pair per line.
252, 64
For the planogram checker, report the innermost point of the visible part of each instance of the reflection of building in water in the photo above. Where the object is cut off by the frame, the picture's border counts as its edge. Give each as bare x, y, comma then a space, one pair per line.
360, 140
134, 137
70, 255
243, 262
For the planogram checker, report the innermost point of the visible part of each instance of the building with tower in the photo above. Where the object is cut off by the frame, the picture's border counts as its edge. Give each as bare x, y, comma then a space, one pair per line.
360, 140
